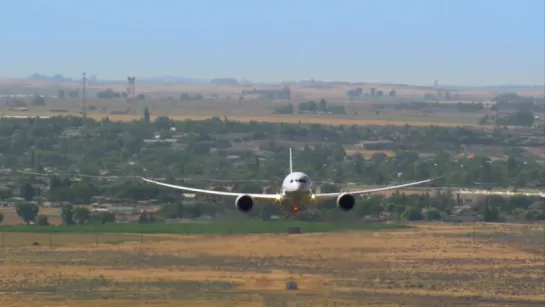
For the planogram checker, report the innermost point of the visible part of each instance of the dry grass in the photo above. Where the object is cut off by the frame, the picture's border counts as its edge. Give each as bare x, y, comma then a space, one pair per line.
331, 91
537, 151
367, 154
472, 155
432, 265
327, 91
326, 120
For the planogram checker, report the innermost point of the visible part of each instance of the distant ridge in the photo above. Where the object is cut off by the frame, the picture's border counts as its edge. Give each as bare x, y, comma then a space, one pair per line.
188, 80
143, 80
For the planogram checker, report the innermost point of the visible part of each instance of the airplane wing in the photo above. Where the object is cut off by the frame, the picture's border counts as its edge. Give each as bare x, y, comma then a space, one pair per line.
325, 196
263, 197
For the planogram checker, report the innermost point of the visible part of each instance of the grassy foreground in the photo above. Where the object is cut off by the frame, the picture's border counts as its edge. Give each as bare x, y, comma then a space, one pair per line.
231, 227
430, 264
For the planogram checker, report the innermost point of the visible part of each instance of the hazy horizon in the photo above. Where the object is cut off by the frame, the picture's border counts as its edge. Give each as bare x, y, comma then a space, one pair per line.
190, 80
458, 43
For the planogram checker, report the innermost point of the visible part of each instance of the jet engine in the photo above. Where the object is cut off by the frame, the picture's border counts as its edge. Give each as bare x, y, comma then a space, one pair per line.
346, 202
244, 203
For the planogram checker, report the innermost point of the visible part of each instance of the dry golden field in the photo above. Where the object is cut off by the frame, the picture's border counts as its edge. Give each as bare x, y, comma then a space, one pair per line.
273, 118
539, 152
302, 91
431, 265
163, 100
366, 153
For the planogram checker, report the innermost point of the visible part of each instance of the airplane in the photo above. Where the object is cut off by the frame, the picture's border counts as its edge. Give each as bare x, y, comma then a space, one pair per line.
296, 193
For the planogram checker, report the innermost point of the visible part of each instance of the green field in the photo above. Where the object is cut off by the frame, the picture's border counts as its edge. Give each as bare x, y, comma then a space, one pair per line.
232, 227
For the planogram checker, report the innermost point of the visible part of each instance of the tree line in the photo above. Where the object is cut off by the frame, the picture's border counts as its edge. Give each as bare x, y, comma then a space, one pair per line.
399, 206
215, 148
311, 106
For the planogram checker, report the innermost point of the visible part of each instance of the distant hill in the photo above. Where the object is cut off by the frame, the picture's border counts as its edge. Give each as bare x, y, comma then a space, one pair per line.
224, 81
310, 82
143, 80
497, 88
513, 88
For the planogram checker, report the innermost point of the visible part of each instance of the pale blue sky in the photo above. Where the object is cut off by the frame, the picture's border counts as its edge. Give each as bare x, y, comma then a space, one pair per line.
458, 42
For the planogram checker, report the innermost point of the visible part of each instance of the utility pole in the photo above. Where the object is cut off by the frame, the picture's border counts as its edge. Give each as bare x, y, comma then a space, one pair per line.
84, 98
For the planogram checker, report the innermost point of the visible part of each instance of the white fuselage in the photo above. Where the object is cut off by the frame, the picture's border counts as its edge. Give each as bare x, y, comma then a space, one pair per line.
296, 192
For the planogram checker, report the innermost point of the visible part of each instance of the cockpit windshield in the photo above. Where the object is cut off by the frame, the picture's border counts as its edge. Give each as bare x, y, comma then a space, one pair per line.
300, 180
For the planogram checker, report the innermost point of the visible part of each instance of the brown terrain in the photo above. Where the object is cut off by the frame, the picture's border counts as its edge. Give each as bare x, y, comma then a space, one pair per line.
430, 265
163, 100
318, 90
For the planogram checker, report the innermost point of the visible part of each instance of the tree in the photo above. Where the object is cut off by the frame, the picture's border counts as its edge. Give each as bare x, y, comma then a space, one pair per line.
358, 164
511, 163
496, 201
82, 192
27, 212
285, 109
42, 220
322, 105
519, 118
81, 215
5, 193
248, 187
192, 211
146, 116
490, 214
488, 210
370, 205
67, 214
433, 215
38, 100
27, 191
59, 189
538, 215
108, 94
517, 201
413, 214
268, 210
102, 218
32, 159
171, 211
146, 218
484, 120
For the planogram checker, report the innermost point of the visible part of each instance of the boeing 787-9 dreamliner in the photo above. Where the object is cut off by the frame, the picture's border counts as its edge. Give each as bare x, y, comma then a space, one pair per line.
296, 193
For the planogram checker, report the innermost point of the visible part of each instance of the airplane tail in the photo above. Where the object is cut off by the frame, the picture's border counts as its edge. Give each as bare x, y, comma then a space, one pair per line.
291, 162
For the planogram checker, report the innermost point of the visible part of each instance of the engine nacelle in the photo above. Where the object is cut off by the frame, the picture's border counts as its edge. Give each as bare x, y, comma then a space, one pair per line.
244, 203
346, 202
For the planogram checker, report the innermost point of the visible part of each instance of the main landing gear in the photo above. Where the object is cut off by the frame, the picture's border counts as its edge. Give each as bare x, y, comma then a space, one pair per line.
289, 214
